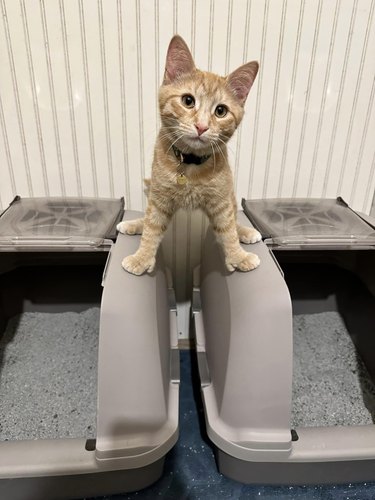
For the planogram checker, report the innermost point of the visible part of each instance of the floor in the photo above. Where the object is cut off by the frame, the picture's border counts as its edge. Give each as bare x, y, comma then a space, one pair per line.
190, 471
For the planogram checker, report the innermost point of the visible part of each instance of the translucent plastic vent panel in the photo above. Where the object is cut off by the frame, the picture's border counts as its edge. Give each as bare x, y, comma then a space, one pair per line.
309, 222
59, 222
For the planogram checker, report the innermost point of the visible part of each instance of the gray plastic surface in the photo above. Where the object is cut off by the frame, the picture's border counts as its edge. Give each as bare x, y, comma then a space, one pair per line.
243, 324
65, 223
80, 485
137, 386
300, 473
244, 335
309, 222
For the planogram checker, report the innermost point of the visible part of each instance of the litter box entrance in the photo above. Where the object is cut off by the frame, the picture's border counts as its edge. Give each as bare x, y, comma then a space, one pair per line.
333, 337
49, 329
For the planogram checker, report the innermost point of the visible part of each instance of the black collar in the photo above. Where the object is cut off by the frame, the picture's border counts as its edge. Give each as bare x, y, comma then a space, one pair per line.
189, 158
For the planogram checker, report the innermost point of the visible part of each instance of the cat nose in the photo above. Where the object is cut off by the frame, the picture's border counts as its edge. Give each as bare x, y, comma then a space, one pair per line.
201, 129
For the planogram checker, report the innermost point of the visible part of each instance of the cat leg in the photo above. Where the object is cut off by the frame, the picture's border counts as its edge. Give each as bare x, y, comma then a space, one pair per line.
155, 223
225, 227
134, 226
245, 234
130, 226
235, 256
248, 234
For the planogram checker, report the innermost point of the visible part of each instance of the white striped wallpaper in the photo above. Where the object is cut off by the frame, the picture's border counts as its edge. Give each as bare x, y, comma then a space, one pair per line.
78, 99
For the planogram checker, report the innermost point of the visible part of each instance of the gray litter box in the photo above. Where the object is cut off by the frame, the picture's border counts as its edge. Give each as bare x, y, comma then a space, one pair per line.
286, 353
89, 376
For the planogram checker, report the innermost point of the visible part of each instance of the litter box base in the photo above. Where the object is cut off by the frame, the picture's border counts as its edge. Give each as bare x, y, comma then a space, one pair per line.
286, 473
244, 342
138, 373
71, 473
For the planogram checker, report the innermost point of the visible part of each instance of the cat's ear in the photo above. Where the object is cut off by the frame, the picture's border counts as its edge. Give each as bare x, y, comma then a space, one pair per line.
179, 60
242, 79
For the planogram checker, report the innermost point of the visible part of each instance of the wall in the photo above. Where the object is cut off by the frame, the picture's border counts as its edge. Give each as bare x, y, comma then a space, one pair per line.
78, 91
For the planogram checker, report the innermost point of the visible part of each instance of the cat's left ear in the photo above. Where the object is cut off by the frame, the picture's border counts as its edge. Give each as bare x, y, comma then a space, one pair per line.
179, 60
242, 79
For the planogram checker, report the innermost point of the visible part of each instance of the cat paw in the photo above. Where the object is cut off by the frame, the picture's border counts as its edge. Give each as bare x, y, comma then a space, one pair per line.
247, 263
248, 234
138, 265
130, 226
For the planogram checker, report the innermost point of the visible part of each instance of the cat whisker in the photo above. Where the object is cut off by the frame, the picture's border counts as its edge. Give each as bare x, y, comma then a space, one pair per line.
152, 134
174, 142
185, 149
164, 132
213, 154
220, 151
173, 132
217, 149
225, 135
168, 135
221, 140
225, 144
169, 129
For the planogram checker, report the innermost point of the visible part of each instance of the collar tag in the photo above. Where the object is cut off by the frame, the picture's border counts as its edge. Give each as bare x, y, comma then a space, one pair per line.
181, 179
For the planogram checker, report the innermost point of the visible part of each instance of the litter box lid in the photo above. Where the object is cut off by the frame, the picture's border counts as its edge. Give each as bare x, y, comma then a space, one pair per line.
59, 223
309, 223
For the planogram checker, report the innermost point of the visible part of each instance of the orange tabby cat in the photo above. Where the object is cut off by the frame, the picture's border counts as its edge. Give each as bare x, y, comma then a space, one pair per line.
199, 113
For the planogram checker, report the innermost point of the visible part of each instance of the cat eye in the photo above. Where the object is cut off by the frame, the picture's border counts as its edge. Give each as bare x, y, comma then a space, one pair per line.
221, 111
188, 100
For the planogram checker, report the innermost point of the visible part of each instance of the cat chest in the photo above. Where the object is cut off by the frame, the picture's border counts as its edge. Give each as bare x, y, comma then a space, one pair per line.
189, 196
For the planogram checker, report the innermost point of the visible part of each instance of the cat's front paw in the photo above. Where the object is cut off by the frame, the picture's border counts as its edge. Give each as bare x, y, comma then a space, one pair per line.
248, 234
130, 226
135, 264
248, 262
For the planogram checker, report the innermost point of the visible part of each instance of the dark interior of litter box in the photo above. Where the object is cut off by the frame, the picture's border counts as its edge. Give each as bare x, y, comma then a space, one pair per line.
333, 336
49, 326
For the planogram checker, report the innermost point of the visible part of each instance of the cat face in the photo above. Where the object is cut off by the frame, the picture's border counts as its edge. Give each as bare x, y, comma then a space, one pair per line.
201, 110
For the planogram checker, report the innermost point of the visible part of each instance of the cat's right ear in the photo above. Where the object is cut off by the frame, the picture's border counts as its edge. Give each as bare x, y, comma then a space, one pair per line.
179, 60
242, 79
